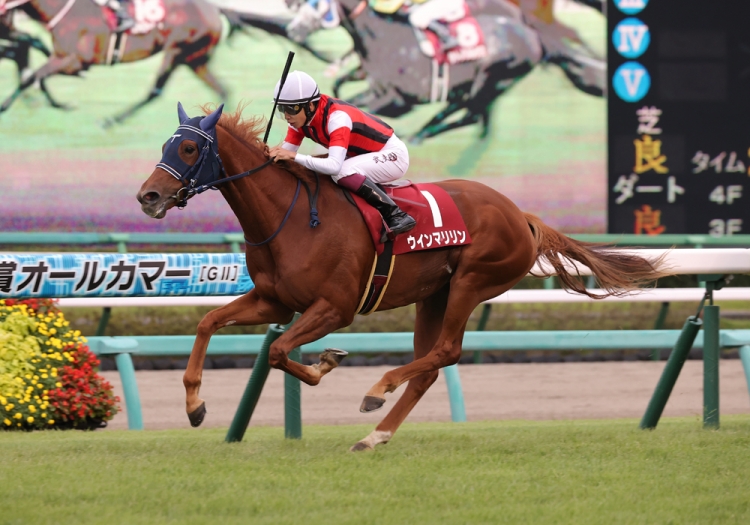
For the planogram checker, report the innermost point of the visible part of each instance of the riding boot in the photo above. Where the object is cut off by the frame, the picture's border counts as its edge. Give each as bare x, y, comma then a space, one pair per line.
398, 221
124, 20
447, 40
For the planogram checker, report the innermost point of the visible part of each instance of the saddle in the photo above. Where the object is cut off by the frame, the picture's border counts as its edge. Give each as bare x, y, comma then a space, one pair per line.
148, 14
439, 225
468, 34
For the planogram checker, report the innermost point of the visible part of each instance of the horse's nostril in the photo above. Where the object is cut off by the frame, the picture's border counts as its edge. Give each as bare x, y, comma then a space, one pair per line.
150, 197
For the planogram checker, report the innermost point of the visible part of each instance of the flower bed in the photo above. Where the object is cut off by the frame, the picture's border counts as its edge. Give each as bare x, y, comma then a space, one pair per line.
48, 376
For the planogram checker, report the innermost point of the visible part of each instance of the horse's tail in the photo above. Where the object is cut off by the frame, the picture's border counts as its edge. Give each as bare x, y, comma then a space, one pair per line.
616, 272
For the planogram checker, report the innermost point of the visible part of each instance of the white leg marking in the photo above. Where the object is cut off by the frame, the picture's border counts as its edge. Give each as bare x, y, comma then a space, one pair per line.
376, 437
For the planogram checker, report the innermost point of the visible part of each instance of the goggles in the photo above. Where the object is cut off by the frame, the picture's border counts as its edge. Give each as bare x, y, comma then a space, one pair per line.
290, 109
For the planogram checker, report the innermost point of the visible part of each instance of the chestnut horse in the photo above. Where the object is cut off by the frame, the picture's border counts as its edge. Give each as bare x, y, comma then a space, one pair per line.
322, 272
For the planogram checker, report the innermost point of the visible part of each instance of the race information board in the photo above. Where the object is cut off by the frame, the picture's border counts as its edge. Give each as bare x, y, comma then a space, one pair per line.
679, 117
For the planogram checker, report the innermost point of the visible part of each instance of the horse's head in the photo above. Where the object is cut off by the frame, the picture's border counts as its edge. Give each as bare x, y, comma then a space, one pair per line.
190, 161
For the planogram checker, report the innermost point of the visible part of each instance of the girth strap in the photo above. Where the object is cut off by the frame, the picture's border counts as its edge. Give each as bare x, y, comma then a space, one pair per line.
380, 276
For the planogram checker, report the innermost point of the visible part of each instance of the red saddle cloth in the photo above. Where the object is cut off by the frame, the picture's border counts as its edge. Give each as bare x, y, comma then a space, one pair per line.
439, 223
470, 38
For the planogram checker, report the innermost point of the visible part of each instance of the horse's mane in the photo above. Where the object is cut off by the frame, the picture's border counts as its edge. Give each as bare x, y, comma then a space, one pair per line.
248, 131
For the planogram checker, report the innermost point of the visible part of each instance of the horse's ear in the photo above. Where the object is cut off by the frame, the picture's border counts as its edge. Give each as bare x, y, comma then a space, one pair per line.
181, 115
209, 123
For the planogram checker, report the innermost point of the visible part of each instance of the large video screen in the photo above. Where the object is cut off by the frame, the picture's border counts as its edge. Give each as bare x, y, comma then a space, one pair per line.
512, 96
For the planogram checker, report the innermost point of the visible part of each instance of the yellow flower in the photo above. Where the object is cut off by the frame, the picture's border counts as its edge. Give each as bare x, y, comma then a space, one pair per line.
30, 419
7, 421
58, 384
44, 414
51, 421
44, 376
32, 408
18, 415
9, 407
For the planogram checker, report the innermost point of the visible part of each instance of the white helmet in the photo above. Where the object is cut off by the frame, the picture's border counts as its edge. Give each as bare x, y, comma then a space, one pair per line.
298, 88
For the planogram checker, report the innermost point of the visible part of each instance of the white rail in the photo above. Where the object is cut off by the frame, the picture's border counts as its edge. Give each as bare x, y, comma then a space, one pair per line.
513, 296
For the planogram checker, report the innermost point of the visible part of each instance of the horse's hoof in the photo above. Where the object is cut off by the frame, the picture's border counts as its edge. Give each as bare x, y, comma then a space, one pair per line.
333, 356
196, 416
371, 404
360, 445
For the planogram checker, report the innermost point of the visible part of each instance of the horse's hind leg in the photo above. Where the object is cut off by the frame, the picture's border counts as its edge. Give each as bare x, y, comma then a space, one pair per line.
201, 70
249, 309
467, 290
426, 331
168, 64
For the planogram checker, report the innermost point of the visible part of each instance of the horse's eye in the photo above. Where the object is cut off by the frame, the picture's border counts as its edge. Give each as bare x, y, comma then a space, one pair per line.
189, 150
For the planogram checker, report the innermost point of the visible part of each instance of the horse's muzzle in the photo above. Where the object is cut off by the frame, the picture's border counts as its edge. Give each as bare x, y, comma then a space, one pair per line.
152, 204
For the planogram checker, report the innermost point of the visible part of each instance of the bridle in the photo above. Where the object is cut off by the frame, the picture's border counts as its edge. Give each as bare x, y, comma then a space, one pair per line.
208, 171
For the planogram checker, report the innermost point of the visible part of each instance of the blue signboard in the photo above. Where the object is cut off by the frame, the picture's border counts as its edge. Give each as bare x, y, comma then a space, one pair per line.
122, 275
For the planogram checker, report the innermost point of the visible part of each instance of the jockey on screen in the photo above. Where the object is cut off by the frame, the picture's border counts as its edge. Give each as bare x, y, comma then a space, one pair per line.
120, 9
362, 149
427, 14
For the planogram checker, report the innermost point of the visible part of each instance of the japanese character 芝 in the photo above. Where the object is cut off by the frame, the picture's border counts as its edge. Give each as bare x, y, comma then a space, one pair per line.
648, 117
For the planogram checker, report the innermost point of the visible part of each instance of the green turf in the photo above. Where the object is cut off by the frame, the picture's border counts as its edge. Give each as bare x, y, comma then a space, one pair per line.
578, 472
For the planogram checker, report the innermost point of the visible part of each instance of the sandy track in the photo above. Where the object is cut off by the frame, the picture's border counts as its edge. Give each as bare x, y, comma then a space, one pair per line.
534, 391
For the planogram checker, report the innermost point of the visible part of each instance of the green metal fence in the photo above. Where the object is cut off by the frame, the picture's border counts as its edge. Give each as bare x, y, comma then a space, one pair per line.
573, 340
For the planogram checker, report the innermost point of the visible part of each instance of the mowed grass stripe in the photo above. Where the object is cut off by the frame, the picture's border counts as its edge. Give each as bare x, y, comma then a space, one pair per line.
490, 472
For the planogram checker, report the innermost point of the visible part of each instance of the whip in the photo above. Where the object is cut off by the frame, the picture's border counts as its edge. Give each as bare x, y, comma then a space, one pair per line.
289, 59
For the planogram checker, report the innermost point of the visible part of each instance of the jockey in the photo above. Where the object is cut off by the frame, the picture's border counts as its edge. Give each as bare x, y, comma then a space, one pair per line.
120, 9
326, 12
427, 14
362, 149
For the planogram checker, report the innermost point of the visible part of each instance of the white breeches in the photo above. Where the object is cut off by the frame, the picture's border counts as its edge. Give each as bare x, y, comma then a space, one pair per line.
388, 164
443, 10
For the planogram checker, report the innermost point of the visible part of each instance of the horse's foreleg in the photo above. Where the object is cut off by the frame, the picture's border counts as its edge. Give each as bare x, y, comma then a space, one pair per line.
319, 320
249, 309
356, 74
426, 331
434, 126
68, 64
